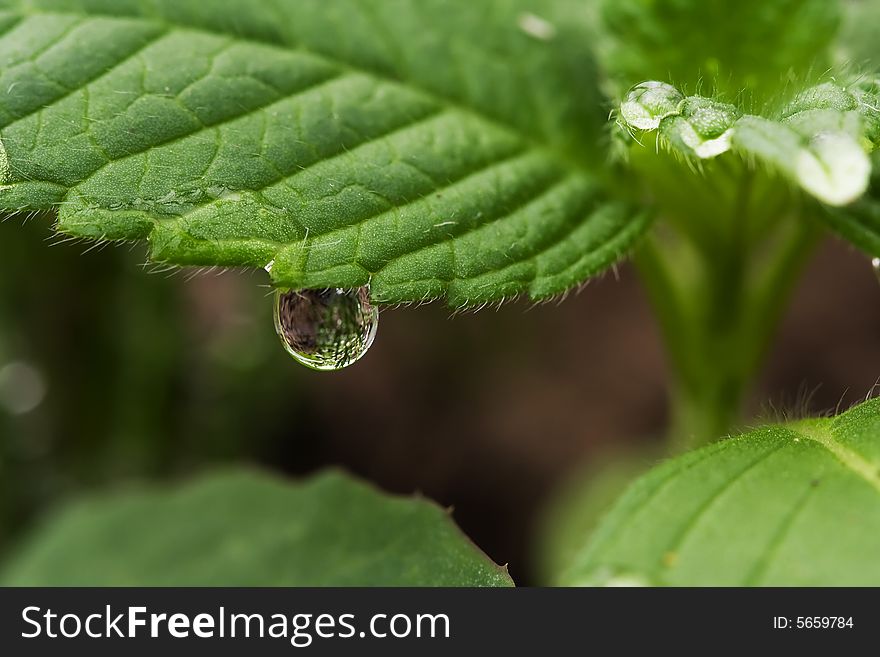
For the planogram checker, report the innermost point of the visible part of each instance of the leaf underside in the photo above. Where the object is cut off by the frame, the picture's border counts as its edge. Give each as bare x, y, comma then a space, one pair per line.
246, 529
343, 142
795, 505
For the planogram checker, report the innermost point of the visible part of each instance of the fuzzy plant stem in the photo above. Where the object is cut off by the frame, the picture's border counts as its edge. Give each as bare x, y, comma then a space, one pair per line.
718, 295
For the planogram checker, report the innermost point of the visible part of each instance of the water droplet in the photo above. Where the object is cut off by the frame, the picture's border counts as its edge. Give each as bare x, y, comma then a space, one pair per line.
875, 263
326, 329
648, 103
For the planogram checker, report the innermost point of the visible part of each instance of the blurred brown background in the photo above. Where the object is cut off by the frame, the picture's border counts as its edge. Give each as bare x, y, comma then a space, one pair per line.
135, 375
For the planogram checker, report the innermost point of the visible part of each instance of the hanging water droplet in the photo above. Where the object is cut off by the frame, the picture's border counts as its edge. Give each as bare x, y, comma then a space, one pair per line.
875, 263
326, 329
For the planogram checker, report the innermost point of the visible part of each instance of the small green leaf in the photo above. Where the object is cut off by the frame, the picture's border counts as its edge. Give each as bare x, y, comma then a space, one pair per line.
245, 529
702, 127
820, 141
424, 149
793, 505
831, 166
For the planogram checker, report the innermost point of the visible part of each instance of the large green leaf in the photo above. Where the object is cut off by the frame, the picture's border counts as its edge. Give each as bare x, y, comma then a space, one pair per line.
794, 505
746, 47
425, 147
244, 529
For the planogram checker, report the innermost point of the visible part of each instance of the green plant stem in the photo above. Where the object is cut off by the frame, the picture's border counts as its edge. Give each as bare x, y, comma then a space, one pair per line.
718, 302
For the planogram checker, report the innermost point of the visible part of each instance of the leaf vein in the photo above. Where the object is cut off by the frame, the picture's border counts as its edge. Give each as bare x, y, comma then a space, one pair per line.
852, 461
100, 75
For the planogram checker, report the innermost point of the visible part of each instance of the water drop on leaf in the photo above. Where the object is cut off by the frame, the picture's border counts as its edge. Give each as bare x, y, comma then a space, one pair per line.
648, 103
326, 329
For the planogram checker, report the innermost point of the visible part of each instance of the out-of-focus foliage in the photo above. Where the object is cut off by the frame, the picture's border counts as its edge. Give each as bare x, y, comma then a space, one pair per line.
749, 48
245, 529
108, 372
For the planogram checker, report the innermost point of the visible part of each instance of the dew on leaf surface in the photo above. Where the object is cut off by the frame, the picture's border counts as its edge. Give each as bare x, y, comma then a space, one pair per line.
326, 329
648, 103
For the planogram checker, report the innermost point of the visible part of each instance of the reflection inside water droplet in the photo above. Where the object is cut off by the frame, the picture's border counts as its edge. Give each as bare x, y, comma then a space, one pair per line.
326, 329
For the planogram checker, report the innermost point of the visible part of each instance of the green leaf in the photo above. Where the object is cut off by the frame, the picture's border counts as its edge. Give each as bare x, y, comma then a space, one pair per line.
576, 508
425, 149
820, 140
245, 529
747, 47
793, 505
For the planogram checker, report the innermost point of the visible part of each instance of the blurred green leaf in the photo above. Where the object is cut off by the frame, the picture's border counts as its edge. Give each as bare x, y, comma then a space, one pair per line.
427, 149
859, 224
246, 529
794, 505
859, 45
730, 48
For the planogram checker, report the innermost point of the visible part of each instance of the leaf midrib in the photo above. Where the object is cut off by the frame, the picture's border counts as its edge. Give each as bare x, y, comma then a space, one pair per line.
823, 434
448, 102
